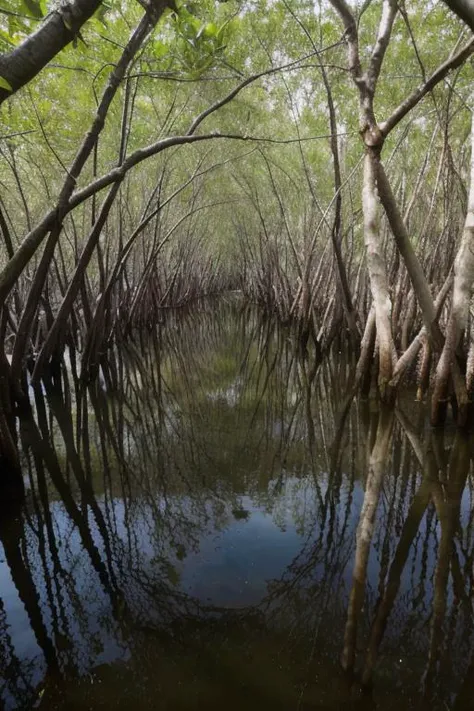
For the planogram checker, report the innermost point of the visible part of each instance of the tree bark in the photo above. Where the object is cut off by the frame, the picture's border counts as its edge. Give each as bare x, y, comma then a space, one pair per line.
463, 9
402, 239
377, 275
458, 318
59, 27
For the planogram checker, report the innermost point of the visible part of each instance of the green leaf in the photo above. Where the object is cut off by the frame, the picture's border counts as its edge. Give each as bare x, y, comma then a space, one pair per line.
4, 84
5, 38
211, 29
160, 49
100, 14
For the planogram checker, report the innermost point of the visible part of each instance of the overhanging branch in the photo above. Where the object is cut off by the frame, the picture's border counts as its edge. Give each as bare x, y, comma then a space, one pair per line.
28, 247
411, 101
58, 29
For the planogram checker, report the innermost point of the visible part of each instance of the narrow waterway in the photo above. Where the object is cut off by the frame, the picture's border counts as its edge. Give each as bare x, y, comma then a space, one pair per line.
202, 530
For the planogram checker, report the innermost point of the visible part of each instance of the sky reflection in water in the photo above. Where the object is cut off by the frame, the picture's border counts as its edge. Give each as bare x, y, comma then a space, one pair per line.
190, 536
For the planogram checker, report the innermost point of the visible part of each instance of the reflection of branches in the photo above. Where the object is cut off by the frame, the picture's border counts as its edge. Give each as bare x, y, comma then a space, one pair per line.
11, 536
193, 424
447, 507
365, 530
14, 681
409, 531
448, 510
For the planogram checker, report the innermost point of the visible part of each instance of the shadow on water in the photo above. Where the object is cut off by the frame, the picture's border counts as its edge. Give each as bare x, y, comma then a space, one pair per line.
200, 532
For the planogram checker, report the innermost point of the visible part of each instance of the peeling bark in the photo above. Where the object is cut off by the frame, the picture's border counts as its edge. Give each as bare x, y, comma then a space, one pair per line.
377, 275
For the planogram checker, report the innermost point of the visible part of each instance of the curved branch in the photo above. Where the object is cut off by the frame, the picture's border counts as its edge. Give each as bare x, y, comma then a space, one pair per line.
296, 64
28, 247
411, 101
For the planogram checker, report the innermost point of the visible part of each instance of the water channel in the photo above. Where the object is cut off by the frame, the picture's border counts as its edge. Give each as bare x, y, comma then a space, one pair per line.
202, 530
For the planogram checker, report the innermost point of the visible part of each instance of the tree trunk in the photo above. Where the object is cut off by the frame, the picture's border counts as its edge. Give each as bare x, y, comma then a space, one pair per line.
377, 275
402, 239
458, 318
10, 470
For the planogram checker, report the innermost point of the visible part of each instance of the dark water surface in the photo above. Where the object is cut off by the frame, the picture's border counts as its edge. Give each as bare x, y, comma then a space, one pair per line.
200, 533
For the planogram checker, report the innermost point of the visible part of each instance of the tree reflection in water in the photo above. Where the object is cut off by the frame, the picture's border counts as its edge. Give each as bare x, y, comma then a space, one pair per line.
200, 528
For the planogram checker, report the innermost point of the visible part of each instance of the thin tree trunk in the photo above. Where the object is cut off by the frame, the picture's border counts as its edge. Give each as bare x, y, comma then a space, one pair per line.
458, 318
33, 239
402, 239
377, 276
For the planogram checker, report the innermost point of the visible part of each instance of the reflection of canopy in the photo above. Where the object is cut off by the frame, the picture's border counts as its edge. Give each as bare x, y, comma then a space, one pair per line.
215, 419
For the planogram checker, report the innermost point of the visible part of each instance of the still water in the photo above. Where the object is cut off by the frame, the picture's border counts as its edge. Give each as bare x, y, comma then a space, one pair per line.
202, 530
